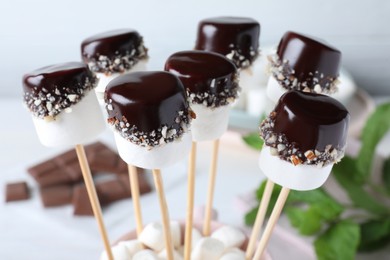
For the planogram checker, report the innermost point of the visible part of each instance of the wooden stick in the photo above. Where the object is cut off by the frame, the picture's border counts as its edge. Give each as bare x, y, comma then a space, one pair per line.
164, 213
259, 218
190, 202
210, 189
93, 198
134, 188
272, 222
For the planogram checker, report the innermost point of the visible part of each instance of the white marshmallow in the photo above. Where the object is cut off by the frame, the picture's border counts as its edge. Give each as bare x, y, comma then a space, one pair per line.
175, 233
78, 124
155, 158
176, 255
195, 237
145, 255
346, 88
119, 252
207, 248
345, 91
132, 246
299, 177
233, 254
256, 75
229, 236
209, 124
274, 90
256, 102
105, 79
153, 235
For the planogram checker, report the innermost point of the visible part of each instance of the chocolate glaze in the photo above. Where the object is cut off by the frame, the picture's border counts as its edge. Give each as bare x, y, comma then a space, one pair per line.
226, 34
311, 121
120, 50
205, 72
148, 100
60, 84
307, 55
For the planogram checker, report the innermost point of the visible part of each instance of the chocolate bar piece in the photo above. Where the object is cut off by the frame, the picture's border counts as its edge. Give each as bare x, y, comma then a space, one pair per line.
80, 201
16, 191
65, 168
56, 195
108, 192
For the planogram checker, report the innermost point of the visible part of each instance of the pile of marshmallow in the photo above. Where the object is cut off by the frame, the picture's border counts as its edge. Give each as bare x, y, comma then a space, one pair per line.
225, 243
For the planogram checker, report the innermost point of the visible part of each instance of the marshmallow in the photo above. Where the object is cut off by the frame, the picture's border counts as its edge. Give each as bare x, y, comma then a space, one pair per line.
132, 246
274, 90
119, 252
155, 158
78, 124
233, 254
229, 236
195, 237
175, 233
256, 102
296, 177
145, 255
176, 255
207, 248
210, 123
104, 78
150, 118
153, 235
346, 88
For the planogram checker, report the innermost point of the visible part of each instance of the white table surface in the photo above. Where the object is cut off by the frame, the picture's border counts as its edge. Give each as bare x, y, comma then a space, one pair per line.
28, 231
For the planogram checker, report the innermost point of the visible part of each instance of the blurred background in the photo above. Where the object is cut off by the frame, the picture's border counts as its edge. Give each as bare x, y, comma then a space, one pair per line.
41, 32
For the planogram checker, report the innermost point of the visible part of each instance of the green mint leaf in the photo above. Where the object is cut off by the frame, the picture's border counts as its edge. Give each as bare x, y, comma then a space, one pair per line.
308, 222
386, 175
376, 127
253, 140
250, 217
339, 241
321, 209
344, 173
374, 234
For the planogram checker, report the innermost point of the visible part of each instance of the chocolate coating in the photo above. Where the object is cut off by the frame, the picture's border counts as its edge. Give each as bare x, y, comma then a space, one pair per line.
204, 72
309, 57
50, 89
311, 121
113, 51
148, 100
226, 34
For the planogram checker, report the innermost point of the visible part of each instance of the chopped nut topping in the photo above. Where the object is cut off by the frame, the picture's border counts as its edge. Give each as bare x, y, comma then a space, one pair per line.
316, 83
295, 160
310, 155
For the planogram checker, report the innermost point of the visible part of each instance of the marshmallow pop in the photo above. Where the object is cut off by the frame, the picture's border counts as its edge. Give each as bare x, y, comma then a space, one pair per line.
304, 136
305, 64
237, 38
150, 117
65, 111
211, 83
113, 53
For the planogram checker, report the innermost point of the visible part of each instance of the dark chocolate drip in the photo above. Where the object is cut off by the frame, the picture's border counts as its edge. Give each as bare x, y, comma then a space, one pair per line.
142, 104
311, 121
308, 59
49, 90
113, 51
210, 78
237, 37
